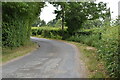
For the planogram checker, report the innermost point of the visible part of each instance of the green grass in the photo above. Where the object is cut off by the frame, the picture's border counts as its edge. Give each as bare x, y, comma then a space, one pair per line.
95, 65
105, 39
9, 54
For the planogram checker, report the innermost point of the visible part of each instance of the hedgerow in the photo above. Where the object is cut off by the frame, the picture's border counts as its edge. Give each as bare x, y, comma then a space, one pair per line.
105, 39
17, 19
48, 32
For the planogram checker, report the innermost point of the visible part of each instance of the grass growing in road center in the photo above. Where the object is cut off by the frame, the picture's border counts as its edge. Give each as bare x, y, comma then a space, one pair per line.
9, 54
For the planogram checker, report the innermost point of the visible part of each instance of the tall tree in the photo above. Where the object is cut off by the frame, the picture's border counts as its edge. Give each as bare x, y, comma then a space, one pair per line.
78, 12
61, 7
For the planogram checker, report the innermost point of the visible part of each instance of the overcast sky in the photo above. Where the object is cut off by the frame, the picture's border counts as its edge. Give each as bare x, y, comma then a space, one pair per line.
48, 15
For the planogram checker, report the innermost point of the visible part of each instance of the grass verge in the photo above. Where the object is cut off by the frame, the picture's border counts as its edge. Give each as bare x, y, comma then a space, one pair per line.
95, 66
9, 54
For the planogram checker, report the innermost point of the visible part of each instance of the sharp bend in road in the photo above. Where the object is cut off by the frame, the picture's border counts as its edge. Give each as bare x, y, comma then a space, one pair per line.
53, 59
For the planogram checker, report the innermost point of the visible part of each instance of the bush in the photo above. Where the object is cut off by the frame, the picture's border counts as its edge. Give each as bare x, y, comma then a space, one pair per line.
48, 32
105, 39
16, 21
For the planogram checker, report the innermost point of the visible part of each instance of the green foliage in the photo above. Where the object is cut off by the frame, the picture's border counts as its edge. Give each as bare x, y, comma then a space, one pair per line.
60, 12
115, 22
38, 22
77, 13
106, 43
92, 24
105, 39
48, 32
17, 19
54, 23
42, 23
58, 23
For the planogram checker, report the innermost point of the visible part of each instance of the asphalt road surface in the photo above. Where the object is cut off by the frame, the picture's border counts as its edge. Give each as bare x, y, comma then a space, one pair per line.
52, 59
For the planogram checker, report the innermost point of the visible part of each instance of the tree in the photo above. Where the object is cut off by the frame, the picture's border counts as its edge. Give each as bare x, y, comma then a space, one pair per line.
58, 23
92, 23
38, 23
61, 7
52, 22
78, 12
115, 22
17, 19
42, 23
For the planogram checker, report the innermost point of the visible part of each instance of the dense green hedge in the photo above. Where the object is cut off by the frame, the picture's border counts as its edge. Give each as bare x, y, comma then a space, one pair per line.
107, 45
105, 39
48, 32
17, 18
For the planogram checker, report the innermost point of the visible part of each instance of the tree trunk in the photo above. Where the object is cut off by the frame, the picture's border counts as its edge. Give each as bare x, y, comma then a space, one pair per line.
63, 21
63, 18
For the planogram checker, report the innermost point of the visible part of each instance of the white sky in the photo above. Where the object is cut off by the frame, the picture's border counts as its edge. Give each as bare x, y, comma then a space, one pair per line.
48, 15
113, 4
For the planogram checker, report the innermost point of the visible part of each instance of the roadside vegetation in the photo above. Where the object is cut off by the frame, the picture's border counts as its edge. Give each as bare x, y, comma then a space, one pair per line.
48, 32
11, 54
104, 39
94, 64
87, 23
17, 18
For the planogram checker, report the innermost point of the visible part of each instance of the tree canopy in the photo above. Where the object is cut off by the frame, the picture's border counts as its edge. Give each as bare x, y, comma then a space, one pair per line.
19, 17
76, 13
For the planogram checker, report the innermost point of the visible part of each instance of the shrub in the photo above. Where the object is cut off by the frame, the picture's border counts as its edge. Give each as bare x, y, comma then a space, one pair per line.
107, 46
48, 32
16, 21
105, 39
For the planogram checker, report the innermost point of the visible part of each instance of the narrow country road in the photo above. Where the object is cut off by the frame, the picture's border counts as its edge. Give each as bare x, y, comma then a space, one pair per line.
53, 59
